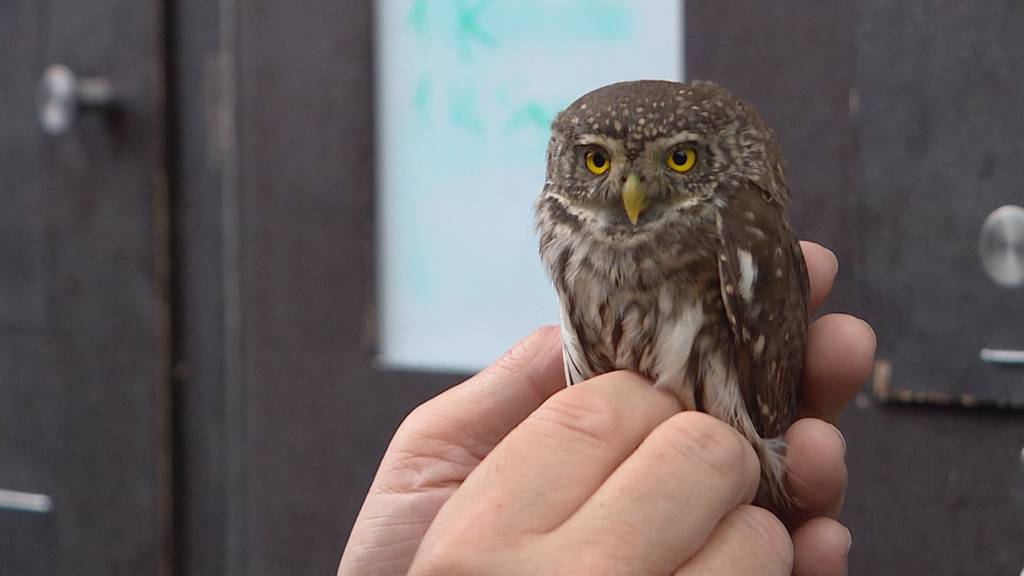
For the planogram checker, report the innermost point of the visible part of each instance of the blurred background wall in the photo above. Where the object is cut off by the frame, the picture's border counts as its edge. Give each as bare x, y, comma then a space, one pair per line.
189, 303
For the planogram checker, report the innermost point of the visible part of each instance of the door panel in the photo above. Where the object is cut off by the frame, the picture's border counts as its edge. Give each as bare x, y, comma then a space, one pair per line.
28, 544
83, 296
22, 281
941, 88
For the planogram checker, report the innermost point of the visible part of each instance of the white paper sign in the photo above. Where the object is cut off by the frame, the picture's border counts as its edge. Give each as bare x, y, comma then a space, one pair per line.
466, 90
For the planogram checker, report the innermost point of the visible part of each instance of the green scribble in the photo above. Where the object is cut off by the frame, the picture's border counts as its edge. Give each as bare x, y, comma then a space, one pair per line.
530, 113
611, 21
418, 17
562, 26
463, 113
468, 28
421, 98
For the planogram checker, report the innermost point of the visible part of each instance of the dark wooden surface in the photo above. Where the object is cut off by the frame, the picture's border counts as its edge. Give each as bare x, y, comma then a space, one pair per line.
207, 543
940, 123
318, 415
283, 417
83, 293
932, 491
28, 544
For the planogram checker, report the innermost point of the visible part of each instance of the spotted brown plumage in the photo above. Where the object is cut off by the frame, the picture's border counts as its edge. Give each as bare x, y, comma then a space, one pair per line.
676, 259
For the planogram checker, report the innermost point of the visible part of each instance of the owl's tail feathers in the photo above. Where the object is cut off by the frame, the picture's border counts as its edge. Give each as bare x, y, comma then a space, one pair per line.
772, 493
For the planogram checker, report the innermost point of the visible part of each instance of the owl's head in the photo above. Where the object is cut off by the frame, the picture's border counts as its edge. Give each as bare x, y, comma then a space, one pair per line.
634, 155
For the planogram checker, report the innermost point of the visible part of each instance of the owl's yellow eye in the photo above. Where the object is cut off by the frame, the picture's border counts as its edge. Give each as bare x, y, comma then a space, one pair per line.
681, 159
597, 162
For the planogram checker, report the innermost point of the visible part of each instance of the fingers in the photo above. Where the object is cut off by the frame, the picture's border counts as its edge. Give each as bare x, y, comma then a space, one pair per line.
750, 540
442, 442
839, 357
478, 413
816, 477
816, 471
840, 348
666, 498
821, 548
822, 268
551, 463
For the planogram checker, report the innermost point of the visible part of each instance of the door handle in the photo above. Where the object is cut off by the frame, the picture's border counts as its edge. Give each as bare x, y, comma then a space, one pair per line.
1006, 357
62, 95
25, 501
1001, 246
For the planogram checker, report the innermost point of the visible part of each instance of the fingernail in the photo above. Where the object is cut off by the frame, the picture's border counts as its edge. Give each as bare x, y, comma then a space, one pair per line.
871, 329
835, 259
841, 437
846, 557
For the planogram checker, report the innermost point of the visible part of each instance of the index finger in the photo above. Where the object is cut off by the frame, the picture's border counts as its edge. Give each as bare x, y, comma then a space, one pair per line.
476, 414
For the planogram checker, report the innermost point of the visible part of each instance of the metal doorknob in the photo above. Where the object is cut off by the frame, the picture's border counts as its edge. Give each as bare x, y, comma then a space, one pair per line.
1001, 246
62, 95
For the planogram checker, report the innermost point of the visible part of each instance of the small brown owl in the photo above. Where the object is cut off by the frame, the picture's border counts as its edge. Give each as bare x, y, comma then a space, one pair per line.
663, 225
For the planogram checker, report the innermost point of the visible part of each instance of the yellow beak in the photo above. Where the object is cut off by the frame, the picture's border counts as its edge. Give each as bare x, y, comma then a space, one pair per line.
634, 197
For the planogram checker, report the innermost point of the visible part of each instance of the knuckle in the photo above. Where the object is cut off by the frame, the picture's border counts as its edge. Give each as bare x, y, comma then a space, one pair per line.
765, 528
511, 361
583, 413
414, 425
712, 443
415, 419
516, 358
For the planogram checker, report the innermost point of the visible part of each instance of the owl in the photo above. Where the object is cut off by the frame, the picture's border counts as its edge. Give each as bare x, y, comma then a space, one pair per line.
663, 226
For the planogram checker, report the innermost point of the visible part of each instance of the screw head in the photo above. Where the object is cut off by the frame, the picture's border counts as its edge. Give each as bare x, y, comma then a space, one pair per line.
57, 99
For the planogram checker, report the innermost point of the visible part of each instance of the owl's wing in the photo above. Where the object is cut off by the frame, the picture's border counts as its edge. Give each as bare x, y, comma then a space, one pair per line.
765, 289
576, 368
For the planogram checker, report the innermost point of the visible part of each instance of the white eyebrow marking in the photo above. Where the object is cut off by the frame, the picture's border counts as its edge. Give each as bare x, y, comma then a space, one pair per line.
610, 144
670, 141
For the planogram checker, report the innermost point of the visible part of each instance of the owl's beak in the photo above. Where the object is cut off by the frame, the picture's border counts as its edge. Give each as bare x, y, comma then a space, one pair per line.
634, 197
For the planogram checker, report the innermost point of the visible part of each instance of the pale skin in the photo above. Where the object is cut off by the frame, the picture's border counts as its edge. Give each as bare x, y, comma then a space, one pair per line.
512, 473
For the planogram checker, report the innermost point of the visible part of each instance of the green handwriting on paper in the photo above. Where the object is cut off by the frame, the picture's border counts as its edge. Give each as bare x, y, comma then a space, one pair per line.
469, 31
471, 59
530, 114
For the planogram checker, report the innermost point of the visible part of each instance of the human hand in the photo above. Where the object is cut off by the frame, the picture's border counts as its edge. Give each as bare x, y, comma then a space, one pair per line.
445, 439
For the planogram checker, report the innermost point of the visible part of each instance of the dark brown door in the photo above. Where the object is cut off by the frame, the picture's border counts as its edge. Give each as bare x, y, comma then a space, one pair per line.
83, 293
940, 95
939, 89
